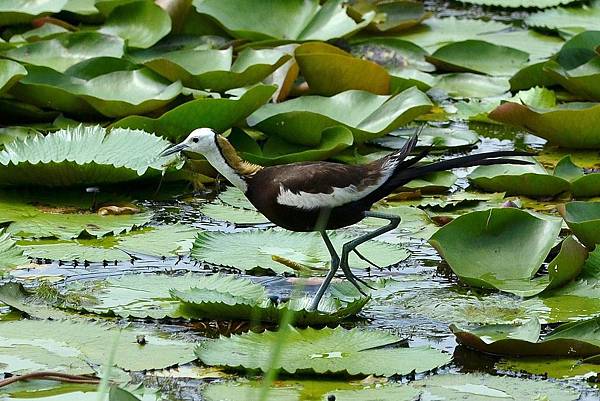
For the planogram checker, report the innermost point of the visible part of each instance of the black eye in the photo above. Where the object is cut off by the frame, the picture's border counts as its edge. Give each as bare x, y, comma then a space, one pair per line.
195, 140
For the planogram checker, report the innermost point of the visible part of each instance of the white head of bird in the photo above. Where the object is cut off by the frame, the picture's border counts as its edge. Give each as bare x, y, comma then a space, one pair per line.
219, 153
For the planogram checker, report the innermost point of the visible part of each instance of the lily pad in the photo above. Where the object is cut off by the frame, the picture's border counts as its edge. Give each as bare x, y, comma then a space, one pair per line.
570, 125
576, 339
519, 3
228, 297
277, 150
81, 156
10, 255
70, 346
62, 220
67, 49
14, 12
214, 69
218, 114
10, 73
433, 137
284, 252
556, 368
290, 20
584, 18
583, 219
95, 86
480, 57
224, 212
490, 238
329, 70
393, 16
141, 23
466, 84
325, 351
367, 115
431, 183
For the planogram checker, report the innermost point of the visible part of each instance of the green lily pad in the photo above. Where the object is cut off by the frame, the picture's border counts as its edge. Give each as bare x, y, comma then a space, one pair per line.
45, 31
95, 86
556, 368
479, 387
141, 23
228, 297
570, 125
519, 3
329, 71
290, 20
584, 18
431, 183
81, 156
434, 137
488, 239
531, 76
215, 69
224, 212
10, 73
64, 220
583, 219
466, 84
158, 241
70, 347
393, 16
218, 114
10, 255
367, 115
480, 57
330, 351
394, 54
232, 196
14, 12
576, 339
284, 252
277, 150
19, 299
67, 49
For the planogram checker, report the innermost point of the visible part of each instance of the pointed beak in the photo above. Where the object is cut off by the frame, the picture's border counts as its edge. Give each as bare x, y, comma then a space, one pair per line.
174, 149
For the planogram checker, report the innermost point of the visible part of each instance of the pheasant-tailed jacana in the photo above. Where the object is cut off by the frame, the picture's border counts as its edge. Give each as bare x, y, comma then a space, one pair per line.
320, 196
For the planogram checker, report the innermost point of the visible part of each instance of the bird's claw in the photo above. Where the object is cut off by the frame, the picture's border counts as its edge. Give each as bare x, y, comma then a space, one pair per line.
354, 279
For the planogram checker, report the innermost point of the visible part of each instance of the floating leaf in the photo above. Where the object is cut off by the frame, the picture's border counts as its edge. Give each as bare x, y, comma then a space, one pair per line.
354, 352
141, 23
91, 250
290, 20
10, 73
570, 339
431, 183
10, 255
393, 16
466, 84
96, 84
218, 114
70, 347
63, 220
19, 299
228, 297
479, 56
67, 49
583, 18
490, 238
583, 219
368, 116
214, 69
224, 212
81, 156
282, 251
329, 71
548, 366
572, 125
279, 151
435, 137
14, 12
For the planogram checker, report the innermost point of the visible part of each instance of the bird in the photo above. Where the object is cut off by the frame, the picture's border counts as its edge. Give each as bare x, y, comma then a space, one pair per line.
318, 196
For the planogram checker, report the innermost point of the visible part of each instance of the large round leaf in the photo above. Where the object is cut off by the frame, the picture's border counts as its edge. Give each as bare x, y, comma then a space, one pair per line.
14, 12
329, 70
329, 351
213, 69
10, 73
583, 218
479, 56
283, 251
368, 116
10, 255
572, 125
218, 114
582, 80
393, 16
141, 23
97, 84
289, 20
466, 84
499, 244
582, 18
82, 156
67, 49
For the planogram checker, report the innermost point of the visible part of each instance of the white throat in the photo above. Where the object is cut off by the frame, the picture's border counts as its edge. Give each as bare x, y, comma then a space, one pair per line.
216, 159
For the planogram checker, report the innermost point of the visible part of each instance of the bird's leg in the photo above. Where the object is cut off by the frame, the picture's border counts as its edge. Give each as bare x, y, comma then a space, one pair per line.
350, 246
335, 263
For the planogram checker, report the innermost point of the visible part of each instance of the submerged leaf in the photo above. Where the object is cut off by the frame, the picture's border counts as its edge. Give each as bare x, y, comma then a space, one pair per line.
268, 249
354, 352
82, 156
